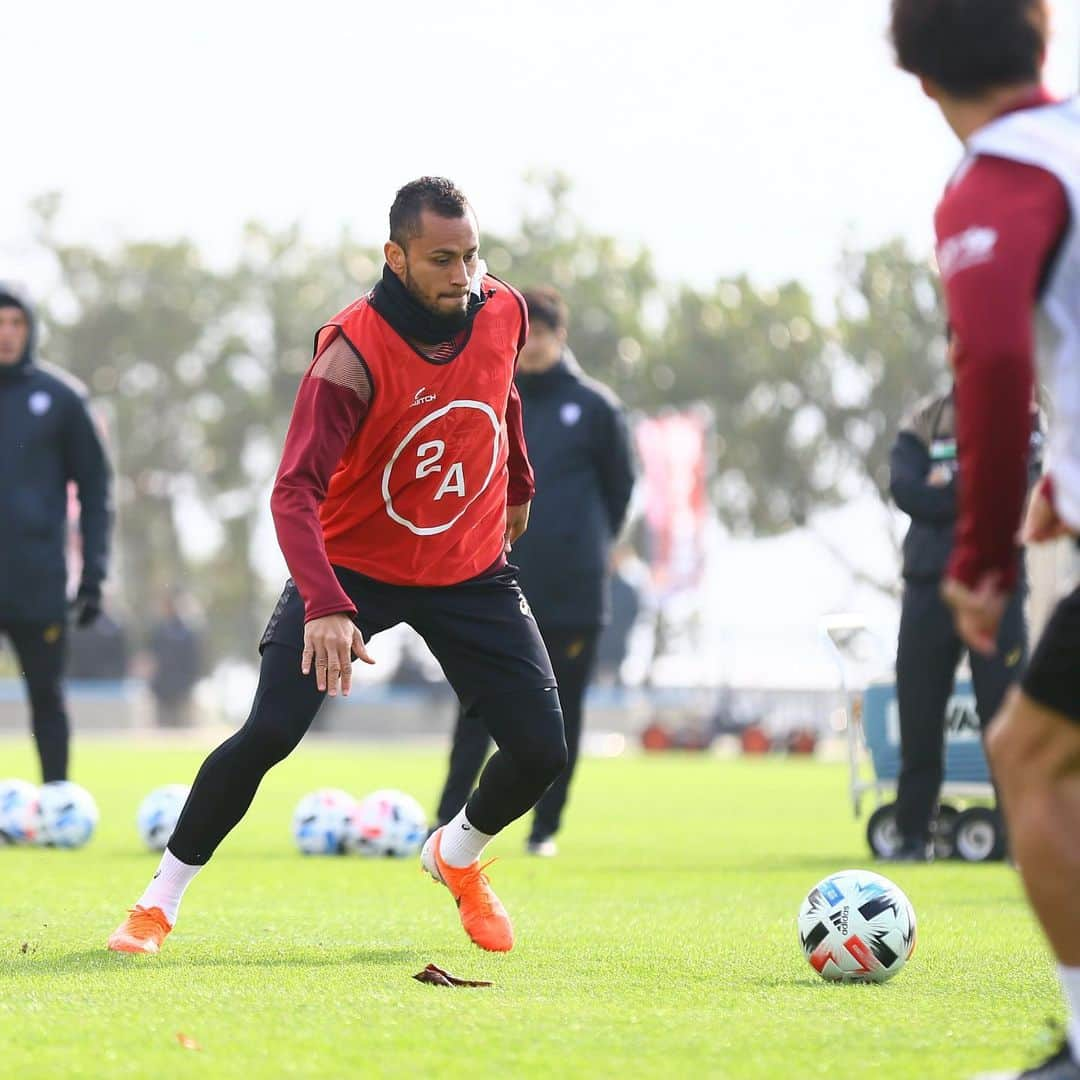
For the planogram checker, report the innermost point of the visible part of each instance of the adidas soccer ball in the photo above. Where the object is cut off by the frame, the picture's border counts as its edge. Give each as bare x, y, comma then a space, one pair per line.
66, 816
387, 822
158, 813
857, 926
320, 821
18, 811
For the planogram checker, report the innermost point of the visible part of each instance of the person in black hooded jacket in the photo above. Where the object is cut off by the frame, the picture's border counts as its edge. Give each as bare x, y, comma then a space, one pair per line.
47, 440
580, 447
923, 480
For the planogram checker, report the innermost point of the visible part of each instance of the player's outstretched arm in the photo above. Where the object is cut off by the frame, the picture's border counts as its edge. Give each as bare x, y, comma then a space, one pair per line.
328, 410
996, 230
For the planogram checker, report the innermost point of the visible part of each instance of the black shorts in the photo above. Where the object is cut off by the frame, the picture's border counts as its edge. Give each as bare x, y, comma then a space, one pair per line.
481, 631
1053, 674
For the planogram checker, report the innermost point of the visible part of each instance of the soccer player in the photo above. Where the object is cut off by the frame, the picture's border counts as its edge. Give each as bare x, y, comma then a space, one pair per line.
1009, 254
47, 440
580, 448
403, 483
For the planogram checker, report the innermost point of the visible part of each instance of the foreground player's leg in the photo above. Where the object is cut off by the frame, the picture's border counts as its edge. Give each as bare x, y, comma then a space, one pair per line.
527, 727
1035, 751
285, 704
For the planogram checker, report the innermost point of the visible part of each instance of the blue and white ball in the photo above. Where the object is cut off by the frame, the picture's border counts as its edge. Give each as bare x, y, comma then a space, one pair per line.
857, 926
321, 821
66, 815
389, 823
158, 814
18, 811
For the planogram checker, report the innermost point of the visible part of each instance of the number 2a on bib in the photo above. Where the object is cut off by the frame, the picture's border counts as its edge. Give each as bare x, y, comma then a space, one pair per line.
429, 455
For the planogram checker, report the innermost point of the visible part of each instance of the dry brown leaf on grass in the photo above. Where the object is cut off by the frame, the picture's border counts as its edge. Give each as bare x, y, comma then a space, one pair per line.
438, 977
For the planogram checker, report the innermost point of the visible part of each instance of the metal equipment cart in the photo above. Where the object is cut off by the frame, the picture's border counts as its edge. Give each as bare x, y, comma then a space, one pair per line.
967, 825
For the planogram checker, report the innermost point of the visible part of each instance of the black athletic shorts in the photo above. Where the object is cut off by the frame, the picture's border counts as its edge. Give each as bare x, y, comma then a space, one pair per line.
1053, 674
481, 631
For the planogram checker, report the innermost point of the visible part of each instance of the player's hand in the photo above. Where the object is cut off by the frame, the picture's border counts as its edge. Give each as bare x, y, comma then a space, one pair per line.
86, 607
977, 612
517, 521
1042, 523
939, 476
330, 643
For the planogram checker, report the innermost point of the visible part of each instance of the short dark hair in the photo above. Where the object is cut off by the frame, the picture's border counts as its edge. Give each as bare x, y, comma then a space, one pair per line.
434, 193
969, 47
546, 306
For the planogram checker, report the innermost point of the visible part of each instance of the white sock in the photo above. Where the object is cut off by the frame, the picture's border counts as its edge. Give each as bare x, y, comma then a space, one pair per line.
1070, 983
460, 844
167, 886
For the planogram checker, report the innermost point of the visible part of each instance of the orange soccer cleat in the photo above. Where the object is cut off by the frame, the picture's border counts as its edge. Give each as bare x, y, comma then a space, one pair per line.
482, 914
142, 931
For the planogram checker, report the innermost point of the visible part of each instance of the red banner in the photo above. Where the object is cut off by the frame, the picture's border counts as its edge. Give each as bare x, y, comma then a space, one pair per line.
673, 449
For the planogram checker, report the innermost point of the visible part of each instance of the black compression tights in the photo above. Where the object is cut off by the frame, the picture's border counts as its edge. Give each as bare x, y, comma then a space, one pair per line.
526, 725
285, 704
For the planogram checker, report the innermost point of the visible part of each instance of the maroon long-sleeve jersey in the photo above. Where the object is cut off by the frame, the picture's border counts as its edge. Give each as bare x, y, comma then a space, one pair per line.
998, 228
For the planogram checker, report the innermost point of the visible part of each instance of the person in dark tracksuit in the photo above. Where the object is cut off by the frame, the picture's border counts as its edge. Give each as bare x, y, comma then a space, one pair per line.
47, 439
579, 444
923, 481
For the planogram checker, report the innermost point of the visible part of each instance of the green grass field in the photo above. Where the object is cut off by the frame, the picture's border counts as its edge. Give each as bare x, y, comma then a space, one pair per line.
661, 942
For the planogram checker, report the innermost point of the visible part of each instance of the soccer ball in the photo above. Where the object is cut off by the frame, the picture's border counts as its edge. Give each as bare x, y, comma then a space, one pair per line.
857, 926
66, 816
18, 811
387, 822
158, 814
320, 821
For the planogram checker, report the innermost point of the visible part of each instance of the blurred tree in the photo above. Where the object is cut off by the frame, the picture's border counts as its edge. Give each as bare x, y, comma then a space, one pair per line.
136, 324
612, 291
757, 358
892, 351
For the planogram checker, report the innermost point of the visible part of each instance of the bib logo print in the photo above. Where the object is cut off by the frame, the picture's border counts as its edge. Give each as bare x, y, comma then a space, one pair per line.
435, 474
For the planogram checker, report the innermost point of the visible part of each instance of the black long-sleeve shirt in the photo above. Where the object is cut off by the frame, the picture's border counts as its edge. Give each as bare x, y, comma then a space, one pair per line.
927, 439
47, 439
580, 448
926, 435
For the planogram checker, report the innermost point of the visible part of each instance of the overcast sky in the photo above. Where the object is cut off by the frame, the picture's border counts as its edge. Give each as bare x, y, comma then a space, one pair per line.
759, 137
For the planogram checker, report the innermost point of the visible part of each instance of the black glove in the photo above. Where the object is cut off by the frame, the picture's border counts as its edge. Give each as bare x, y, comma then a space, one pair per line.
86, 606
